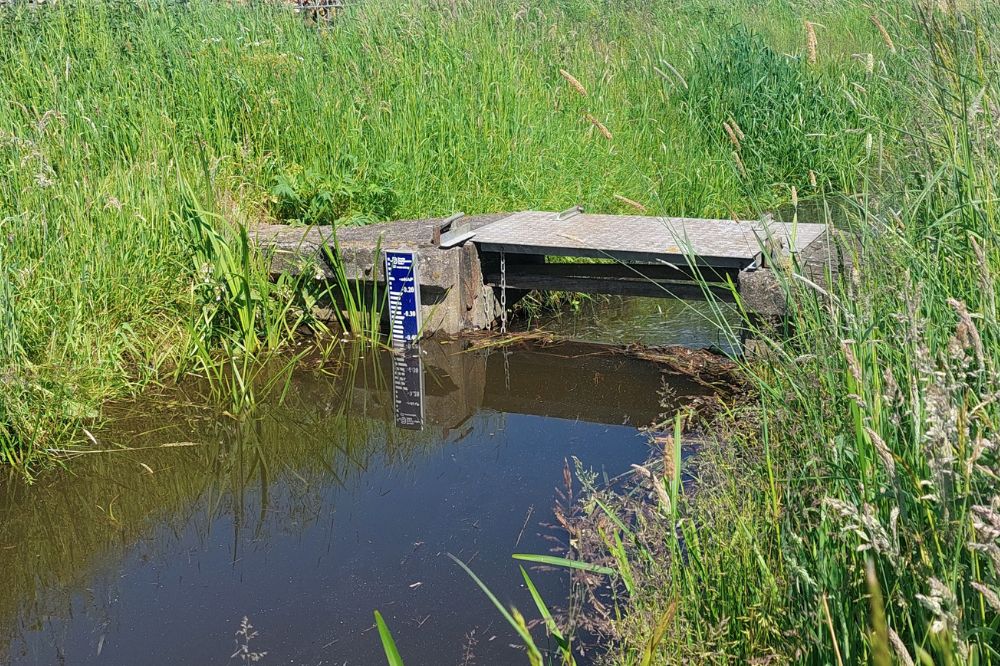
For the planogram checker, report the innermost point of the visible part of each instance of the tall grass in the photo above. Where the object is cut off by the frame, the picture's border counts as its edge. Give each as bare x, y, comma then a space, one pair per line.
238, 317
857, 518
407, 109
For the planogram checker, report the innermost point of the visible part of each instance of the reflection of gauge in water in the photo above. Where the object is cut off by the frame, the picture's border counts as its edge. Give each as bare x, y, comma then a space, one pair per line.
408, 389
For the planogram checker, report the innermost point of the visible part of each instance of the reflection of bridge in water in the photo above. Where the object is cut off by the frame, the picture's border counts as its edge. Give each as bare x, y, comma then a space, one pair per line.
441, 385
202, 494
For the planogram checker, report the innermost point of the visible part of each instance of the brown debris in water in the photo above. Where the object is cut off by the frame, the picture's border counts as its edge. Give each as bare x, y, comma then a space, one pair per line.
638, 499
704, 366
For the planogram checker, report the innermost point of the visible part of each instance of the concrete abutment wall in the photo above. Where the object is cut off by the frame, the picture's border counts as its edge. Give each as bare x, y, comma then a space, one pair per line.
454, 297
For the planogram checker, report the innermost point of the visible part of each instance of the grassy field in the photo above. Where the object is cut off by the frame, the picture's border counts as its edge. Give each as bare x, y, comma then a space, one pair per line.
858, 521
132, 134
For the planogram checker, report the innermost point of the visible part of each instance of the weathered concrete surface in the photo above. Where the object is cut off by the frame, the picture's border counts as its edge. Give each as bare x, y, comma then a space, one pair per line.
453, 295
642, 238
821, 262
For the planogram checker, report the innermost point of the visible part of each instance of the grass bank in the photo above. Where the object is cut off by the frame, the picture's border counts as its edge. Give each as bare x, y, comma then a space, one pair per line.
136, 139
854, 517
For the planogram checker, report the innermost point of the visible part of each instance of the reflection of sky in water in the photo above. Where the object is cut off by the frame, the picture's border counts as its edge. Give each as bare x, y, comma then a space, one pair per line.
310, 575
649, 321
317, 513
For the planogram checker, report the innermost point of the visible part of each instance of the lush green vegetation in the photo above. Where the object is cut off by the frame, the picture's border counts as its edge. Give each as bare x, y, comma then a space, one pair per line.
136, 138
855, 516
858, 522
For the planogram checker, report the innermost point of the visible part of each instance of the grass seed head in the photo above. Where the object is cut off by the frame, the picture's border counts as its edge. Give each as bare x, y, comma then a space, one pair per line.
733, 137
631, 202
599, 125
884, 454
902, 653
989, 595
812, 45
739, 164
574, 83
884, 33
736, 128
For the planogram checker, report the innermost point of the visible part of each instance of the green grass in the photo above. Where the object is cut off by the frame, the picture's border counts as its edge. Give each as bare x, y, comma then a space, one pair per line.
112, 113
854, 517
138, 141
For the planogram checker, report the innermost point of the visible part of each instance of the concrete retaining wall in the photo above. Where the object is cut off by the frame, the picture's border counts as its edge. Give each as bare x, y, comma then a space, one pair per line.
453, 295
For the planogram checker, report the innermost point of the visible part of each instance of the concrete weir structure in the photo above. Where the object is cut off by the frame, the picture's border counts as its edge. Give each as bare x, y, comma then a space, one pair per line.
465, 263
454, 297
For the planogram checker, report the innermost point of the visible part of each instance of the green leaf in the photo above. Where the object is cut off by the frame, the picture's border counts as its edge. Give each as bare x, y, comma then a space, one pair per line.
658, 633
388, 644
613, 516
549, 620
563, 562
534, 656
624, 570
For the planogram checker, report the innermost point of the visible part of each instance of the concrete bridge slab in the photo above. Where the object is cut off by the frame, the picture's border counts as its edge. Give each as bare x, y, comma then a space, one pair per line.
453, 294
456, 296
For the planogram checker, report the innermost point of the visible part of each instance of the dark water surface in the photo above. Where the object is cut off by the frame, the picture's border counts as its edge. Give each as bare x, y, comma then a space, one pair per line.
318, 511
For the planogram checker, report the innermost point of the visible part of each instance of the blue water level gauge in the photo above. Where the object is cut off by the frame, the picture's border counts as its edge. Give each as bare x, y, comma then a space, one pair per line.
404, 296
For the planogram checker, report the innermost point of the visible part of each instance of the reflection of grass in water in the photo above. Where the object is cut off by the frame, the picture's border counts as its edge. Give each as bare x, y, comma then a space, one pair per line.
280, 459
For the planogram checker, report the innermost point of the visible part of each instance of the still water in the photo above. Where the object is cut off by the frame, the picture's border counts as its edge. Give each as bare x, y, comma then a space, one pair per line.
649, 321
344, 498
